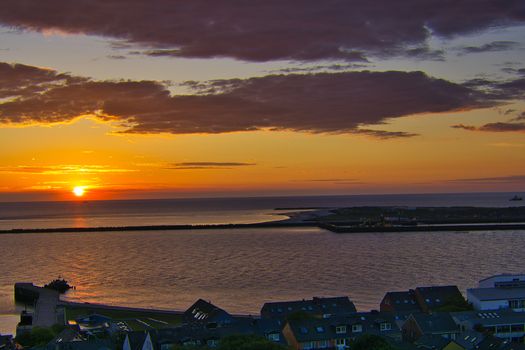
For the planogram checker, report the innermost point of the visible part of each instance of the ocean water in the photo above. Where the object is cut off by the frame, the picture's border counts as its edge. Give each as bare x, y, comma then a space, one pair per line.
240, 269
212, 210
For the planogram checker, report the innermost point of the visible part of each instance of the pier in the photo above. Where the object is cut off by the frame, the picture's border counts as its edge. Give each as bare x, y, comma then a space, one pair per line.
45, 302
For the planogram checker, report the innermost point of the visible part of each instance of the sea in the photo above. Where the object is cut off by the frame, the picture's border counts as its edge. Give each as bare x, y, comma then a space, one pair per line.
240, 269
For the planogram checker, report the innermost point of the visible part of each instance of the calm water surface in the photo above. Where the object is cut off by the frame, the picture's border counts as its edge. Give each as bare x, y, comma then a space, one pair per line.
213, 210
241, 269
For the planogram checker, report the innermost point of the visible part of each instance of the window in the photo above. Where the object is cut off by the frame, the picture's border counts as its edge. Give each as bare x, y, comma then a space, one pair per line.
323, 344
517, 304
212, 343
356, 328
273, 337
340, 329
319, 329
340, 342
308, 345
303, 330
502, 329
385, 326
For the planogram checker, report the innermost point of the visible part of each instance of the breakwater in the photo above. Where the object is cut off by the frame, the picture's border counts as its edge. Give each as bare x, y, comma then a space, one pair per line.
336, 228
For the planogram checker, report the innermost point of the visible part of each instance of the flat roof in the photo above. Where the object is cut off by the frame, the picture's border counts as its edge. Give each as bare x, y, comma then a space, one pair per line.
497, 293
502, 275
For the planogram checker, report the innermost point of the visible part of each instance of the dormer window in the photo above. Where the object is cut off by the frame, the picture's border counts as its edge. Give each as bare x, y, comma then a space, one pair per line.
273, 337
357, 328
385, 326
319, 329
340, 329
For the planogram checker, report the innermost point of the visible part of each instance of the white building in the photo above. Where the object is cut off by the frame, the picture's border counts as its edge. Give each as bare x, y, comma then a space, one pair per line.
499, 292
505, 280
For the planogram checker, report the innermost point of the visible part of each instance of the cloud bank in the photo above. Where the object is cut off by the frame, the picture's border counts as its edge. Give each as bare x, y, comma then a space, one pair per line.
263, 30
344, 102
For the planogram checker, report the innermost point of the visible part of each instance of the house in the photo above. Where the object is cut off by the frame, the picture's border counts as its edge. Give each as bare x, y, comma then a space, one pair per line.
6, 342
205, 312
338, 332
505, 291
438, 323
138, 341
492, 343
435, 297
422, 299
400, 302
436, 342
319, 307
505, 324
66, 336
93, 324
71, 340
199, 334
470, 339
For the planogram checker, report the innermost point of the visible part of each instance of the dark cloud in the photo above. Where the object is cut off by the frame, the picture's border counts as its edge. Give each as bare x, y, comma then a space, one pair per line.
320, 68
520, 117
515, 71
117, 57
494, 127
21, 80
344, 102
262, 30
492, 180
382, 134
214, 164
208, 165
490, 47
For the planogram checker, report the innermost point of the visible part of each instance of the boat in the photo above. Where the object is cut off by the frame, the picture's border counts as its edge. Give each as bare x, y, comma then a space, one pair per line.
60, 285
516, 198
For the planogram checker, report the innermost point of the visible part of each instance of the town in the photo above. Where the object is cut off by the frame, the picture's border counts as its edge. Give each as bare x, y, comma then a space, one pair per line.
492, 316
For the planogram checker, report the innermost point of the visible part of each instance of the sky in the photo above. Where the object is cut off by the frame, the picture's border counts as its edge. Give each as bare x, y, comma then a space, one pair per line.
171, 98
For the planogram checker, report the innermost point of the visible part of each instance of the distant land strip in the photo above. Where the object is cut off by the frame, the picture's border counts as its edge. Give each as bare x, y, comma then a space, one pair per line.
161, 227
281, 224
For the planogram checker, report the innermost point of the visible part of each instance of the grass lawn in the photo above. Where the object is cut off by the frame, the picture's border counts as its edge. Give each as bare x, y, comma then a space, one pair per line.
136, 320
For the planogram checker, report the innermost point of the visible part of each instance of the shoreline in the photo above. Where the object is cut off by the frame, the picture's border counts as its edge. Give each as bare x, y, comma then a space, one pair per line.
346, 220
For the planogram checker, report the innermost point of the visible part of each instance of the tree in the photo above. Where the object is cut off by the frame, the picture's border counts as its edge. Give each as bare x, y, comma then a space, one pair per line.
371, 342
39, 336
455, 304
248, 342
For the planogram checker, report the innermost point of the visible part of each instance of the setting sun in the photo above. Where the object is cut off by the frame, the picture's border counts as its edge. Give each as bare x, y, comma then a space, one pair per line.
79, 191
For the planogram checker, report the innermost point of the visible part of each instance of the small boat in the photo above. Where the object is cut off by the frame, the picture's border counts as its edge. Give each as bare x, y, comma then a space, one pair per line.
60, 285
516, 198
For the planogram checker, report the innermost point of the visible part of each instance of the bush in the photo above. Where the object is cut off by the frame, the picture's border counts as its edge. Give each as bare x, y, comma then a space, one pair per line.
371, 342
248, 342
39, 336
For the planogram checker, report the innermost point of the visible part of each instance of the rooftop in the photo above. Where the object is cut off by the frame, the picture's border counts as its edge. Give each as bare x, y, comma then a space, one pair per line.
497, 293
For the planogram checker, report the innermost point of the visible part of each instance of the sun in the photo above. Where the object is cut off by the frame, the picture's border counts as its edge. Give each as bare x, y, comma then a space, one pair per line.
79, 191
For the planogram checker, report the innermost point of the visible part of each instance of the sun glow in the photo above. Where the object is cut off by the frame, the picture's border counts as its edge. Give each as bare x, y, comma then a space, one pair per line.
79, 191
